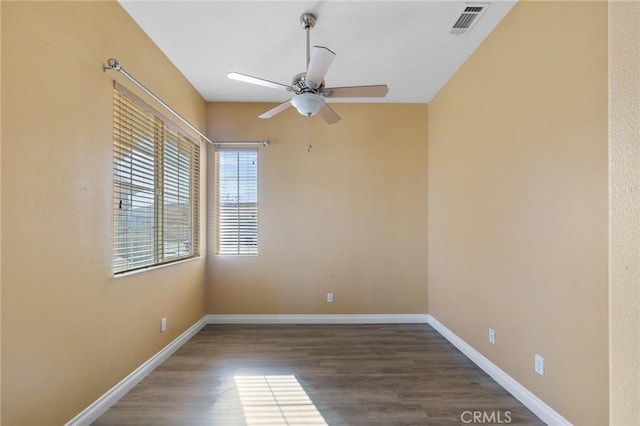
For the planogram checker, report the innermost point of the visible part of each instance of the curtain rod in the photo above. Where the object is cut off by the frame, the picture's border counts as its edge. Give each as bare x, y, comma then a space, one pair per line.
221, 143
113, 64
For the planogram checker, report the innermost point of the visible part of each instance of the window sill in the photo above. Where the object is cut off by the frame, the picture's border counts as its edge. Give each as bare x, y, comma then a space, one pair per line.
153, 267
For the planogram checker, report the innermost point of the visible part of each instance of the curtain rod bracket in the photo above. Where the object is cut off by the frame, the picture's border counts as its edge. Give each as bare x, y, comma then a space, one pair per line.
112, 64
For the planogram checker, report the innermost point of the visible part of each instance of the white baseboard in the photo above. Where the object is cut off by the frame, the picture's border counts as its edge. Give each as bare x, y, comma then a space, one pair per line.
318, 319
102, 404
522, 394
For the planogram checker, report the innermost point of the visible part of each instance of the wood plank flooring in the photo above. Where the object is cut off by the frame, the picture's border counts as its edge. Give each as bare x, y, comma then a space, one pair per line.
388, 374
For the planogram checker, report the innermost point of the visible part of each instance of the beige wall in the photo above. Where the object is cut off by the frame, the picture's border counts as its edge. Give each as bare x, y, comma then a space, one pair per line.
624, 255
70, 330
518, 203
348, 218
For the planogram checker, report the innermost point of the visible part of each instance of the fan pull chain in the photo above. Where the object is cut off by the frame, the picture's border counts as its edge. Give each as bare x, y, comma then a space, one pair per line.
309, 146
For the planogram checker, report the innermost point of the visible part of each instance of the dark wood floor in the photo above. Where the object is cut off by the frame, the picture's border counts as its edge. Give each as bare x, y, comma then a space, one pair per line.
391, 374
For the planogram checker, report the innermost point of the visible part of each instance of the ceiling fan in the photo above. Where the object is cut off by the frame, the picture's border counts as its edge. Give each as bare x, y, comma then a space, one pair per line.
309, 87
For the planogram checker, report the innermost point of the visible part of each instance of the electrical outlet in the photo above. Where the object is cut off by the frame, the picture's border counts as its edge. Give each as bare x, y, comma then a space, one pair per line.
329, 297
539, 365
163, 325
492, 336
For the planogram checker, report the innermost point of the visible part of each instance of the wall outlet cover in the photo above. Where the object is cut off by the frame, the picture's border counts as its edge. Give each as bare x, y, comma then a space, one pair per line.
539, 365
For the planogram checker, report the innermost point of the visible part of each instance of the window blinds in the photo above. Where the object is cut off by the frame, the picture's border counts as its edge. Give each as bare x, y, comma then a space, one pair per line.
236, 208
155, 188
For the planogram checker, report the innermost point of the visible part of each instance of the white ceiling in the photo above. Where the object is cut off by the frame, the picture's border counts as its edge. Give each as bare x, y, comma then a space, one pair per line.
404, 44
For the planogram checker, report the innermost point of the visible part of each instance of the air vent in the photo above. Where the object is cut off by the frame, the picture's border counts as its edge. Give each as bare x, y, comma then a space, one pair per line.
468, 17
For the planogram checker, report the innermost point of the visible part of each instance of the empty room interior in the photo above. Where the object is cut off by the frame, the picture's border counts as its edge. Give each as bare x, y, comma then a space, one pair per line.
454, 240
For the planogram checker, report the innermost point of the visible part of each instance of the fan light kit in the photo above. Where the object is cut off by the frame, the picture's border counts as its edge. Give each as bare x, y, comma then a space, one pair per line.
308, 103
309, 88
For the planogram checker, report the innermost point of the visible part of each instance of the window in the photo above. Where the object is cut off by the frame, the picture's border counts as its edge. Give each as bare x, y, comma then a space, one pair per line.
236, 208
156, 173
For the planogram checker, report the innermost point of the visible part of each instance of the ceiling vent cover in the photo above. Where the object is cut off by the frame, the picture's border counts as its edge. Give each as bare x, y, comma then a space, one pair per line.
468, 17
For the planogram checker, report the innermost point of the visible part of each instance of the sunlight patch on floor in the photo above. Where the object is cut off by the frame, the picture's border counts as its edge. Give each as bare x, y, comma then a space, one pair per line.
276, 400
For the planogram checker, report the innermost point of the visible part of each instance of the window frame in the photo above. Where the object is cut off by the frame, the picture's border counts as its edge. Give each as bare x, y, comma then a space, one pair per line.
174, 181
225, 249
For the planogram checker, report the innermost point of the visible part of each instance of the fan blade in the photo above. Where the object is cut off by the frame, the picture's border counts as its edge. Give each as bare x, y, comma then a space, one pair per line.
258, 81
356, 92
329, 115
319, 63
276, 110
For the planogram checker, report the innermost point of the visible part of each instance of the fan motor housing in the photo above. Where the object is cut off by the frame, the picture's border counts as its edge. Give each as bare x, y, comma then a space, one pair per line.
299, 84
